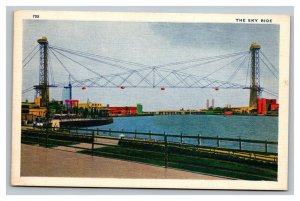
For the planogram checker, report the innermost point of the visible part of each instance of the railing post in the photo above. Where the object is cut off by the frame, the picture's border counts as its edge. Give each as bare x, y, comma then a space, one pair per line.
47, 136
135, 134
150, 135
198, 139
240, 143
109, 132
181, 138
166, 150
266, 146
93, 136
218, 141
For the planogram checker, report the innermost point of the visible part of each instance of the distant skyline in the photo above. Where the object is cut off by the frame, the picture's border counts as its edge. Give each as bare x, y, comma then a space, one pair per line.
151, 44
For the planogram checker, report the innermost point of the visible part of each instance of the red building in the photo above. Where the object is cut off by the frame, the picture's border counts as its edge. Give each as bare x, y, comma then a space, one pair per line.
123, 110
274, 107
71, 103
264, 105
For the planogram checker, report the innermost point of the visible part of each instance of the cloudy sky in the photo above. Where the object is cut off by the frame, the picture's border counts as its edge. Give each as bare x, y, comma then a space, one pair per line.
151, 44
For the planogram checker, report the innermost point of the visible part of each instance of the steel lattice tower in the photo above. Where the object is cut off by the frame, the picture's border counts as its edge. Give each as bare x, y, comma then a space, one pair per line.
43, 87
255, 89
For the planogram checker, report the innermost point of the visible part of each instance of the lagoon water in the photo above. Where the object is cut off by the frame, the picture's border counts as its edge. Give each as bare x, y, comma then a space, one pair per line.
245, 127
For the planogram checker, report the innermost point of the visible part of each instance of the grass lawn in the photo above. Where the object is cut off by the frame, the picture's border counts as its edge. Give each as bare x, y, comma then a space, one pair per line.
195, 164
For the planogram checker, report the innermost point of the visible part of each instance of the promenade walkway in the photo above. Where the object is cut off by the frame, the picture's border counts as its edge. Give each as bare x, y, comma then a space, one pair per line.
40, 161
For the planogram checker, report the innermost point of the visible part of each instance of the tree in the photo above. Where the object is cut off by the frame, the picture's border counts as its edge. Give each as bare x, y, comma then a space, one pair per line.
55, 107
218, 110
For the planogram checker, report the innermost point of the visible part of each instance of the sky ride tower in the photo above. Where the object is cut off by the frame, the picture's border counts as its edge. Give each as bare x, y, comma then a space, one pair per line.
255, 88
42, 89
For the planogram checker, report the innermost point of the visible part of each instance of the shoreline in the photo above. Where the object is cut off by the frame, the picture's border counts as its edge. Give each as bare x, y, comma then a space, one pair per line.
145, 115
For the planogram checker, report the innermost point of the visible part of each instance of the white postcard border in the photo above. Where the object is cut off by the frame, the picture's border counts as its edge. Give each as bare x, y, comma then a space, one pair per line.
281, 184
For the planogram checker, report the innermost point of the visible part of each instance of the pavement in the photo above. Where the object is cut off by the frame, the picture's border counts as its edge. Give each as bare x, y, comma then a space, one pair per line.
46, 162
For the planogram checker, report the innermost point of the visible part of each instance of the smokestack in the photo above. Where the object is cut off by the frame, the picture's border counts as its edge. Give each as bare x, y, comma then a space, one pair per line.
213, 103
207, 104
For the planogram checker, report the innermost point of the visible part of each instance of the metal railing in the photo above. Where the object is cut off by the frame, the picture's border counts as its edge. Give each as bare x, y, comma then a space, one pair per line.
166, 150
259, 146
198, 140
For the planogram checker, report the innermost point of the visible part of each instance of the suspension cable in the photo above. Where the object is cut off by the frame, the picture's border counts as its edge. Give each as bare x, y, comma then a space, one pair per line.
24, 65
66, 69
27, 90
181, 76
274, 74
270, 92
248, 70
237, 69
204, 77
80, 53
216, 58
276, 70
30, 53
96, 73
202, 59
90, 56
51, 70
225, 66
116, 65
207, 62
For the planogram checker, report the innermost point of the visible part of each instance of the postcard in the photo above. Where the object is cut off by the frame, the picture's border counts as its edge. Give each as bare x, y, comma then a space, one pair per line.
150, 100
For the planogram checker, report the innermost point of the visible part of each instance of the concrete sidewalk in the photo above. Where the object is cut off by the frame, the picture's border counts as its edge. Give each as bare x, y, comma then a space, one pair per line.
40, 161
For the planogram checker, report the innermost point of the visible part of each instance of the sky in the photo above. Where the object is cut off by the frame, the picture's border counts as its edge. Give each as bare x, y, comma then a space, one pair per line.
151, 44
